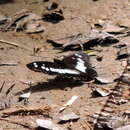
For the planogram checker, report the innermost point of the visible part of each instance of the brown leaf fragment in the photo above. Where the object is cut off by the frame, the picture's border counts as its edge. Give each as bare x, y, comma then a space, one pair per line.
104, 80
30, 24
125, 22
91, 39
14, 18
101, 91
26, 21
113, 29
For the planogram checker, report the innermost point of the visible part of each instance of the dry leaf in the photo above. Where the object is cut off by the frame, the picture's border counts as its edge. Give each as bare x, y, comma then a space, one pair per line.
48, 124
104, 80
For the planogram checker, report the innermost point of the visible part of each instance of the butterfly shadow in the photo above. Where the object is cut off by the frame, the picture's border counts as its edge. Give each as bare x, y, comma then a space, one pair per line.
57, 83
6, 1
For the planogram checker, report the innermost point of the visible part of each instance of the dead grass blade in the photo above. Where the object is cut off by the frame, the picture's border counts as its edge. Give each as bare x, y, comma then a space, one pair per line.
9, 89
14, 44
41, 110
2, 86
85, 125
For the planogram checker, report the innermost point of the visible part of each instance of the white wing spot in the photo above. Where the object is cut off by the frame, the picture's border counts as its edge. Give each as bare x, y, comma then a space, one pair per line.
35, 65
43, 67
47, 69
64, 71
80, 65
78, 55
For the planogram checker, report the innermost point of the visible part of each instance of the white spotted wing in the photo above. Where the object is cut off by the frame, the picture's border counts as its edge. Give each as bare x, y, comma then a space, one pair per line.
76, 64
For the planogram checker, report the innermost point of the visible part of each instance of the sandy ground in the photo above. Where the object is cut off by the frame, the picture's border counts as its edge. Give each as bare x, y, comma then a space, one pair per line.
79, 17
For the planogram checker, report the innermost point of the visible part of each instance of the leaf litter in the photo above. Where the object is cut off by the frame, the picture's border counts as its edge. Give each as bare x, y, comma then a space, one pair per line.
95, 37
18, 23
26, 21
110, 117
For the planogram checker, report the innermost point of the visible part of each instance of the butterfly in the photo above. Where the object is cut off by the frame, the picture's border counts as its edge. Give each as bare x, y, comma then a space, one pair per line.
76, 66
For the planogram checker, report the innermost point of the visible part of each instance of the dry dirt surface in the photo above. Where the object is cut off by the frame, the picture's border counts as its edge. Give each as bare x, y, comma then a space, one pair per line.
80, 16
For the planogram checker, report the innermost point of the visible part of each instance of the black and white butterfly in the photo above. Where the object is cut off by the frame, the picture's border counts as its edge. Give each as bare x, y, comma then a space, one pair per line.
76, 66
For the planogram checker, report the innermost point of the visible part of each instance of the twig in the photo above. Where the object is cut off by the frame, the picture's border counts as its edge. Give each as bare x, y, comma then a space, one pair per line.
39, 110
14, 44
69, 102
18, 123
8, 64
2, 86
9, 89
85, 125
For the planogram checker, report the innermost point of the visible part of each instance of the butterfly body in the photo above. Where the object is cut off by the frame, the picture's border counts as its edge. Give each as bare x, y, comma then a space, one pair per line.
75, 66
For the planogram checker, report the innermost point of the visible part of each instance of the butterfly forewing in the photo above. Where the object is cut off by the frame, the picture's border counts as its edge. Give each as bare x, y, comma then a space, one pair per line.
51, 68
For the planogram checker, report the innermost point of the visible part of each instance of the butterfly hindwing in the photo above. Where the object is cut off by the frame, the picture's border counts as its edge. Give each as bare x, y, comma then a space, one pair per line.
77, 61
